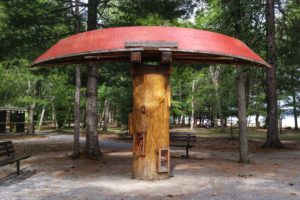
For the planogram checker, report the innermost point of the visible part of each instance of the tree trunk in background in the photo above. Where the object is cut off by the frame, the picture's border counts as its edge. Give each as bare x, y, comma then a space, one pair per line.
242, 108
192, 105
272, 133
76, 144
54, 121
215, 74
106, 115
256, 120
92, 143
242, 98
182, 119
32, 107
295, 110
92, 15
42, 117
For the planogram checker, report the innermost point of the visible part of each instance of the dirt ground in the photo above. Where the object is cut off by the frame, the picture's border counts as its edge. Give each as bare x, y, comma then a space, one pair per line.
212, 172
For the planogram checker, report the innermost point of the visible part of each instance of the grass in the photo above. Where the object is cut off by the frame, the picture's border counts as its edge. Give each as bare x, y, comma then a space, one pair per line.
253, 133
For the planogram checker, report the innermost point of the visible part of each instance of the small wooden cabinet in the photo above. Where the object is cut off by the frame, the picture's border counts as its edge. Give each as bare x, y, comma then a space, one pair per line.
163, 160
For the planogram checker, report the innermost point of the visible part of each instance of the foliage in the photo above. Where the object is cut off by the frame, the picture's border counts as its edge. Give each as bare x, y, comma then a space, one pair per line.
28, 28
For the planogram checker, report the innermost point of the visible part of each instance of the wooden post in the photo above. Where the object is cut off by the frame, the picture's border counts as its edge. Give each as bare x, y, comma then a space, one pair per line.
150, 120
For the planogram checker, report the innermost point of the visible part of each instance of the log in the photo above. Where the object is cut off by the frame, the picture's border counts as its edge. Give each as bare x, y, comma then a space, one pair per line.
150, 120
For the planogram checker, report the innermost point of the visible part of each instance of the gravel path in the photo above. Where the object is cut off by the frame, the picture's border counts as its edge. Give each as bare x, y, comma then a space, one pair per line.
206, 175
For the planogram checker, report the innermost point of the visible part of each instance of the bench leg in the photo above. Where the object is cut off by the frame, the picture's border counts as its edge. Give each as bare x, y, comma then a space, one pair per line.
18, 167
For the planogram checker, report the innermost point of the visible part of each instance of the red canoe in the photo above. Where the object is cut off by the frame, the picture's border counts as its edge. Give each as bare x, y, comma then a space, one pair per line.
115, 45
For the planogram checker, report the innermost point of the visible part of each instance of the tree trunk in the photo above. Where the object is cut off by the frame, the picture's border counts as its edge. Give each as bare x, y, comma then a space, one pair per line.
215, 73
54, 121
242, 98
32, 107
272, 132
242, 108
257, 125
106, 115
192, 105
92, 143
42, 117
151, 104
182, 119
31, 110
295, 110
76, 144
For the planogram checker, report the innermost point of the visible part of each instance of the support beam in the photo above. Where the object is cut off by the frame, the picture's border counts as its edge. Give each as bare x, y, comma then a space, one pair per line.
150, 121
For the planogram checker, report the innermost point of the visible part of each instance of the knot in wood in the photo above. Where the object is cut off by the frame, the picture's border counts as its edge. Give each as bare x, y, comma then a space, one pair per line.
143, 109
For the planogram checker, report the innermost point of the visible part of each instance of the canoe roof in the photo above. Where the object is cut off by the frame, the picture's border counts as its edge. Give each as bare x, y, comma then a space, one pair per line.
116, 44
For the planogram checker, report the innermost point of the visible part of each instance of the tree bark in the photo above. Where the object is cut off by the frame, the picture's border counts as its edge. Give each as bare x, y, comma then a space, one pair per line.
272, 132
106, 115
54, 121
32, 107
92, 14
242, 97
242, 108
295, 110
215, 73
192, 105
76, 144
42, 117
257, 124
92, 143
151, 104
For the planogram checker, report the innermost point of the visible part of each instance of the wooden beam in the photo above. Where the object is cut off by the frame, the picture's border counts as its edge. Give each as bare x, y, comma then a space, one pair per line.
136, 57
166, 57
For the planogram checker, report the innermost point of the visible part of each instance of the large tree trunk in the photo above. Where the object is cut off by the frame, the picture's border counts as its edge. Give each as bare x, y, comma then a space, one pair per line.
76, 144
92, 143
272, 133
151, 104
242, 98
242, 108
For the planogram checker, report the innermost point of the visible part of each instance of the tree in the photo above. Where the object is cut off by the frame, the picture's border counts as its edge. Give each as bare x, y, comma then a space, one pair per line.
92, 143
288, 62
272, 109
76, 148
242, 101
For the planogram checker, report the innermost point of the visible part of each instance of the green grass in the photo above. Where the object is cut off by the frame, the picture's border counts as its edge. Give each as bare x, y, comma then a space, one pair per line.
253, 133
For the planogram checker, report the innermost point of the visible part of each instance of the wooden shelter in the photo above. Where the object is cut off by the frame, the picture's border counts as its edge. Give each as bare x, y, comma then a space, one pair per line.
151, 50
14, 118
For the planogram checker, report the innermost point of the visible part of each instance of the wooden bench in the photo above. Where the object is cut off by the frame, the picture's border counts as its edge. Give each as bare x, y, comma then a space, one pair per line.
8, 156
183, 139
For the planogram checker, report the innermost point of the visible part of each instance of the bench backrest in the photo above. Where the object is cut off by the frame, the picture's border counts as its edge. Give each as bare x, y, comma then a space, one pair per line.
6, 149
182, 137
